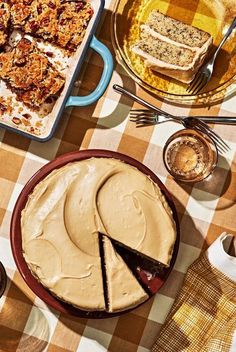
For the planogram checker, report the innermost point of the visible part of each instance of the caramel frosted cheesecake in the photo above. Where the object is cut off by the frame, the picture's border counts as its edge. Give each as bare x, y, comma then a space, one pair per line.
70, 270
124, 291
64, 216
171, 47
139, 217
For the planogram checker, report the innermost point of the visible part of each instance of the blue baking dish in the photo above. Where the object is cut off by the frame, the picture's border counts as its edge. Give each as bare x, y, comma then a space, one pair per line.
66, 100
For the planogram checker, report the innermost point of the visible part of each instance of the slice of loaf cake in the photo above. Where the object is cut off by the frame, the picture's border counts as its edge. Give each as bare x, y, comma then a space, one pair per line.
177, 31
171, 47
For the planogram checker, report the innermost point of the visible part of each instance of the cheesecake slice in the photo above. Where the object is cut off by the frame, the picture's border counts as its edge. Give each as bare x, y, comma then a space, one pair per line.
124, 290
171, 47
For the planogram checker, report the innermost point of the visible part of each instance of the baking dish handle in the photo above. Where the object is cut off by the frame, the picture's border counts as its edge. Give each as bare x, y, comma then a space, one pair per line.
104, 52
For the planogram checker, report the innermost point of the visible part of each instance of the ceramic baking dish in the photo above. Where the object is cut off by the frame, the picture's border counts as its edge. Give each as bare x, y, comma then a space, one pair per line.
49, 115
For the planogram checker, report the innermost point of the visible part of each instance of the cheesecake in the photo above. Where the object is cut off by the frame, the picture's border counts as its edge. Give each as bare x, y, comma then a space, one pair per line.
124, 290
69, 210
71, 272
140, 218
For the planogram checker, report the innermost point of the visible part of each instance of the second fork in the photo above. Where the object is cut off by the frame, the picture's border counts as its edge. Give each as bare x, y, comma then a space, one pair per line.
147, 117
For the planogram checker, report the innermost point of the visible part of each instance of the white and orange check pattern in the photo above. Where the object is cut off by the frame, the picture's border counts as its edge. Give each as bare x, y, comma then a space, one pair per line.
203, 316
205, 211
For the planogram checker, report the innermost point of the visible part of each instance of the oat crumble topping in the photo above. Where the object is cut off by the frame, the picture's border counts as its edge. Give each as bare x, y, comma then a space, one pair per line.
29, 74
60, 22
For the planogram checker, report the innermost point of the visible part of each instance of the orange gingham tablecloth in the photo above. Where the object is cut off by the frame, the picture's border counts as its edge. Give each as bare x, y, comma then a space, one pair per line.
205, 211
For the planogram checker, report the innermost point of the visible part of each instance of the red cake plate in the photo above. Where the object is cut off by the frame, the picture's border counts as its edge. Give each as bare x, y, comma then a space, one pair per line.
150, 275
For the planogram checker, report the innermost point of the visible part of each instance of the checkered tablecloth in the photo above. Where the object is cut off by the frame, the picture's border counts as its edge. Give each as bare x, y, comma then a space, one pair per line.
205, 211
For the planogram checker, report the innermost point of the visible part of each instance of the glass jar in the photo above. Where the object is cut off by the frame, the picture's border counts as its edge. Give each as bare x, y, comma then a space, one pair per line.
190, 156
3, 279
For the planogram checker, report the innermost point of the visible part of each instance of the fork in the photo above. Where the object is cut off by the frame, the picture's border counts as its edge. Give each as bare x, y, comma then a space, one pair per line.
205, 72
158, 118
144, 117
188, 122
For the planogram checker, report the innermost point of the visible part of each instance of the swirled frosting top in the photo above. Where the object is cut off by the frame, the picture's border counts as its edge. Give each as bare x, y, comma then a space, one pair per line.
67, 210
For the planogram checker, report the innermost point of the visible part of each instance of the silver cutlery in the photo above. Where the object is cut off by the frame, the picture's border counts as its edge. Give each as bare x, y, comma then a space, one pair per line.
205, 72
155, 118
187, 122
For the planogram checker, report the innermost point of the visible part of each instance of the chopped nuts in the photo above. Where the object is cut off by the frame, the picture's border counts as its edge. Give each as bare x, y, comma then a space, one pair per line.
62, 23
27, 116
3, 109
49, 53
34, 82
16, 120
26, 122
38, 124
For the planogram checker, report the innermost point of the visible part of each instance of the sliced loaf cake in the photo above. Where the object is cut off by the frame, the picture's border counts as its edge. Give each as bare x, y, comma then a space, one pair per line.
171, 47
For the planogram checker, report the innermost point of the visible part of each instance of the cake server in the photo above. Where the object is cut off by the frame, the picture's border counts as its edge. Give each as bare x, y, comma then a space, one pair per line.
188, 122
204, 74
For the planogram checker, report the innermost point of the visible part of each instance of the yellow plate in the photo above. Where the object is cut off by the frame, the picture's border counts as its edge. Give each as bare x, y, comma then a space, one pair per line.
213, 16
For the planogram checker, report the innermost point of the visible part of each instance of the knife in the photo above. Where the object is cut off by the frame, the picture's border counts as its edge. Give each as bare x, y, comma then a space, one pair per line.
225, 120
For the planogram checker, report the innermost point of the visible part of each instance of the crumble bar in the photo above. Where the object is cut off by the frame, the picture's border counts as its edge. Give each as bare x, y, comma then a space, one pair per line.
60, 22
4, 21
29, 74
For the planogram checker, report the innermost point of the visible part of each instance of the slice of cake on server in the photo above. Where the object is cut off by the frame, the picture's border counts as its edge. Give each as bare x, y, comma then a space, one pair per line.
171, 47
